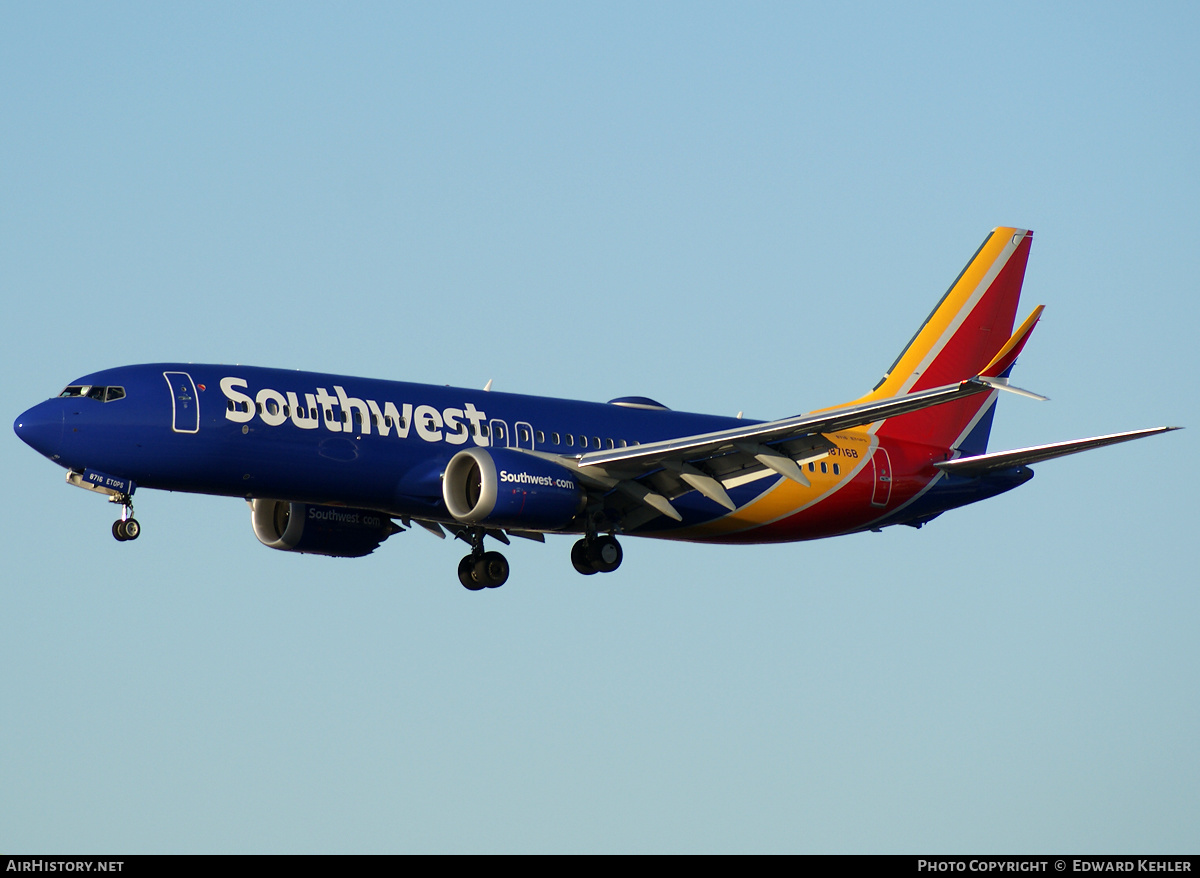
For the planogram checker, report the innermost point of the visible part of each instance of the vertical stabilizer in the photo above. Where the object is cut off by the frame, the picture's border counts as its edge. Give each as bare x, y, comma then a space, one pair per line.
964, 334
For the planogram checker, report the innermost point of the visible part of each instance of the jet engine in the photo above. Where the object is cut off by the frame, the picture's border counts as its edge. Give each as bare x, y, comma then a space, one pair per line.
506, 488
319, 530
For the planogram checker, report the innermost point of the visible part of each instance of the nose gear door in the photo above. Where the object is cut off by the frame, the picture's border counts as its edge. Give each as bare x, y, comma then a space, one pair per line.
185, 407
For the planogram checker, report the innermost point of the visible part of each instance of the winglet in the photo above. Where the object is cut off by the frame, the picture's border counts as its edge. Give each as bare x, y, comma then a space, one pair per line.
1003, 360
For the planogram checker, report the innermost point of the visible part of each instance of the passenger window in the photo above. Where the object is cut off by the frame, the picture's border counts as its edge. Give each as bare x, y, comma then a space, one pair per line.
554, 439
824, 468
523, 434
611, 444
570, 441
812, 467
837, 469
583, 441
596, 441
541, 437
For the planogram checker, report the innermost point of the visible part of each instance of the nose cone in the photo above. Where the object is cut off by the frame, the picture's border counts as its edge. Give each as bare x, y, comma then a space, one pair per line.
41, 428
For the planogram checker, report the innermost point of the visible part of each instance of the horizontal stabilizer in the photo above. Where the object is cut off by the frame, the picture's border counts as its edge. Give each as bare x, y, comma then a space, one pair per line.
1002, 384
984, 463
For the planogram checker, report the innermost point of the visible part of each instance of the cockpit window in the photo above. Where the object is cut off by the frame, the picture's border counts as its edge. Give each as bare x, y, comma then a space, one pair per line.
93, 391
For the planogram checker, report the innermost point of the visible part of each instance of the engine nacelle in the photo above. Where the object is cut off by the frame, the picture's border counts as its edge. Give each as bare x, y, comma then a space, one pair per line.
319, 530
504, 488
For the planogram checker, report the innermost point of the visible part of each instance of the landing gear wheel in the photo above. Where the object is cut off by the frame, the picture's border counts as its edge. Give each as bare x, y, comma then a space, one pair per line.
580, 560
491, 569
118, 529
132, 529
466, 573
605, 554
598, 555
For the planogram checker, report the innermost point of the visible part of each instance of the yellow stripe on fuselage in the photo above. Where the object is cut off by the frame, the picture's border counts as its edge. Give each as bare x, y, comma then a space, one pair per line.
948, 316
786, 497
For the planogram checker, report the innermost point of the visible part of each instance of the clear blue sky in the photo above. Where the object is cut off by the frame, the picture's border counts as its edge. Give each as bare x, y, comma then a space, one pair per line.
725, 207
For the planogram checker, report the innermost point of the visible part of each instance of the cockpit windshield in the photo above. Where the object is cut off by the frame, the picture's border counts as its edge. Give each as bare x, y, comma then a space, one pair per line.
93, 391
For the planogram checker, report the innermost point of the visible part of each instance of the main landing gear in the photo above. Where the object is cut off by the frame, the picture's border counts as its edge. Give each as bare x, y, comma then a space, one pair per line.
481, 569
596, 555
126, 527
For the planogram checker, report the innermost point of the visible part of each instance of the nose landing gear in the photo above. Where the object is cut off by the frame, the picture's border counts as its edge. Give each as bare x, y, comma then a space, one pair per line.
126, 527
118, 490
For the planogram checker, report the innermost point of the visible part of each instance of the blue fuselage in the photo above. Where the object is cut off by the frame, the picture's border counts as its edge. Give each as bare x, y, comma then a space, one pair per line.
315, 438
254, 432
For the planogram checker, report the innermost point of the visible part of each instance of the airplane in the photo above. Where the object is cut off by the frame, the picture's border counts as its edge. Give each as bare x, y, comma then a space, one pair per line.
334, 465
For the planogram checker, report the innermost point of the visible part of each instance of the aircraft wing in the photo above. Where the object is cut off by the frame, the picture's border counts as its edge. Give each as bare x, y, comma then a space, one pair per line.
655, 454
651, 475
983, 463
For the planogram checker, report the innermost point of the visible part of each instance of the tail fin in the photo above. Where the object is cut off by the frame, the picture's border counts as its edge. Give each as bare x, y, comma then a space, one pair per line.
966, 333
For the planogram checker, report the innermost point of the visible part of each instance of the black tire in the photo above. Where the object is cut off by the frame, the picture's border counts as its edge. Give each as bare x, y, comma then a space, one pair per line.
118, 530
492, 569
605, 554
132, 529
466, 573
581, 558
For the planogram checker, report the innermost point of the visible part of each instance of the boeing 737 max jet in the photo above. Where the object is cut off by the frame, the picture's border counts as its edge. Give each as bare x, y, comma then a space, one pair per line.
334, 465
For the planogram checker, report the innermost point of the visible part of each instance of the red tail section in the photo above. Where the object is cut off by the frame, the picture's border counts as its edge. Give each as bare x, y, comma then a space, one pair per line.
968, 328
